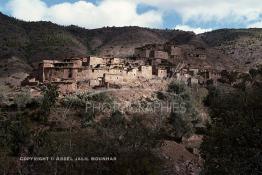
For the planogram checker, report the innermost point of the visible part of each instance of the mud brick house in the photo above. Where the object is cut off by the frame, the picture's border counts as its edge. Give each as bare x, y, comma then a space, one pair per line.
145, 71
92, 71
161, 73
112, 79
159, 54
147, 51
94, 61
173, 50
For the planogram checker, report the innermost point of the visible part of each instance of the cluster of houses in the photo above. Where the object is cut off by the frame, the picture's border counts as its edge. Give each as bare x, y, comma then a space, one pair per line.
152, 62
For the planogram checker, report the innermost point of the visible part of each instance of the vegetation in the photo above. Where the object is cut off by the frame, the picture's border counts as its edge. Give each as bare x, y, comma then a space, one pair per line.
184, 116
22, 99
50, 96
130, 141
3, 94
232, 144
89, 105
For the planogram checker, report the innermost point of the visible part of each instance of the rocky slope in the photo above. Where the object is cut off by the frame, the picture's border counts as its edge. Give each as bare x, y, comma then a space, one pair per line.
242, 46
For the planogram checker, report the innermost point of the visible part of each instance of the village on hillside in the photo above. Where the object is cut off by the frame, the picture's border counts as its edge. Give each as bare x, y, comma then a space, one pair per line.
150, 62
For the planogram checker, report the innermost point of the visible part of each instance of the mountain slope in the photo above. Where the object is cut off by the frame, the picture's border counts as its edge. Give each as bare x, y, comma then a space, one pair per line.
242, 46
24, 44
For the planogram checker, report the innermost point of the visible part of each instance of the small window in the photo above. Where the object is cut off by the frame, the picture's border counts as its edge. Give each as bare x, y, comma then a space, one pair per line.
70, 74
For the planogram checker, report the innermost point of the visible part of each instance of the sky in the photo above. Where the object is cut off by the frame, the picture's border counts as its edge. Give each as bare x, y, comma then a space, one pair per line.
189, 15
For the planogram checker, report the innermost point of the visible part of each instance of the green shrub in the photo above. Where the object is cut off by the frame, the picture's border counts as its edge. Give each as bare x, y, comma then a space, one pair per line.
232, 143
23, 98
50, 96
176, 87
185, 117
4, 90
161, 96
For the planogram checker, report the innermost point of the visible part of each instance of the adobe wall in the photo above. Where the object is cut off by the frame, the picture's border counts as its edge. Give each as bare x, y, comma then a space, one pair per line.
67, 87
142, 53
55, 74
93, 74
116, 61
193, 71
214, 75
77, 63
145, 71
47, 63
94, 61
194, 80
130, 75
51, 74
98, 73
83, 74
113, 79
115, 71
90, 74
176, 51
162, 73
93, 83
159, 54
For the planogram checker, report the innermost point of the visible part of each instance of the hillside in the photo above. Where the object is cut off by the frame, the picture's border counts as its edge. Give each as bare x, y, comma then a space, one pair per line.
243, 46
24, 44
34, 41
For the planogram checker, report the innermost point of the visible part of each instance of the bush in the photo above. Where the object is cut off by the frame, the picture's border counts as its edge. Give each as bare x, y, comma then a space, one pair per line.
131, 142
3, 94
161, 96
50, 96
88, 105
232, 143
80, 100
176, 87
23, 98
185, 117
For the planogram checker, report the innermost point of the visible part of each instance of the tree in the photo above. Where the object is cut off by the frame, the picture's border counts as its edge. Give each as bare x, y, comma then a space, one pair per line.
15, 138
232, 143
50, 96
185, 117
130, 141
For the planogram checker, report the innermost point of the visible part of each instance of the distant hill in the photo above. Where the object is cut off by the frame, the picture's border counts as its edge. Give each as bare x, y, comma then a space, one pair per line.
34, 41
24, 44
242, 46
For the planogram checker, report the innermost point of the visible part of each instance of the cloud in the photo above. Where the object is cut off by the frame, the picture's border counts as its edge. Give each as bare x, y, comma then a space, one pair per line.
124, 12
28, 10
219, 11
86, 14
197, 30
256, 25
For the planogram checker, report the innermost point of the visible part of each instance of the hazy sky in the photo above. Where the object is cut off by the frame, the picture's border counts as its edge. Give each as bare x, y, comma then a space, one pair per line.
193, 15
